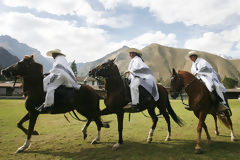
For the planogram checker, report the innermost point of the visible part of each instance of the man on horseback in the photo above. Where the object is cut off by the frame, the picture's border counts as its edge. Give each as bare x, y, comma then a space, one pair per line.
60, 74
140, 74
204, 71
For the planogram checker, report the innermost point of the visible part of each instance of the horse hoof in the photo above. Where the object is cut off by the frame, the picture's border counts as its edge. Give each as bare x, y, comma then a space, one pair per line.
35, 133
94, 142
233, 139
149, 140
168, 139
116, 146
198, 151
19, 151
217, 133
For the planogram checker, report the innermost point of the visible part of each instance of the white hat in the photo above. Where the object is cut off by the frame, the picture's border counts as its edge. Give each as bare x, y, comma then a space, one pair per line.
56, 51
191, 53
138, 52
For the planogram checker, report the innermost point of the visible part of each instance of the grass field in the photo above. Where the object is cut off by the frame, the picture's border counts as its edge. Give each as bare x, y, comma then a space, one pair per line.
59, 139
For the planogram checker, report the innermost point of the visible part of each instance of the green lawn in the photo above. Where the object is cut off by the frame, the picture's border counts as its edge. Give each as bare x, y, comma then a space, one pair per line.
59, 139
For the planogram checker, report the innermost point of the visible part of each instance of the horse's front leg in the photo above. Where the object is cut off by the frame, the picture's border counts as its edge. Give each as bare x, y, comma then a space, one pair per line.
202, 117
20, 125
120, 116
154, 120
32, 122
216, 126
206, 131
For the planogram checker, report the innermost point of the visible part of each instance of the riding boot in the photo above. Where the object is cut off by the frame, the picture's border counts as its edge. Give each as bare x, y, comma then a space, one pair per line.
220, 107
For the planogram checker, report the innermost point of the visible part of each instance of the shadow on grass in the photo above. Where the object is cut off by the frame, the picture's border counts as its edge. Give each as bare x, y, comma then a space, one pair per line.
176, 149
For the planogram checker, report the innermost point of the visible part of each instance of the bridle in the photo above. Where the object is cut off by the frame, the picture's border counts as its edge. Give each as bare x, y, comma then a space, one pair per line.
185, 88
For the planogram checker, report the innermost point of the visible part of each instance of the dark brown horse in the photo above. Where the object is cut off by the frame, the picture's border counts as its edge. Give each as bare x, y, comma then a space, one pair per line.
115, 100
200, 102
85, 100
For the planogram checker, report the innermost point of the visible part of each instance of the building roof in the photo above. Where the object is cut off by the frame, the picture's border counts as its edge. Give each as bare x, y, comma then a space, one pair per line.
10, 84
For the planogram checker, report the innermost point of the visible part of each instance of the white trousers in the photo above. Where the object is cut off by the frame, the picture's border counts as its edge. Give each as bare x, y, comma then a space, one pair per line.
134, 90
211, 85
53, 81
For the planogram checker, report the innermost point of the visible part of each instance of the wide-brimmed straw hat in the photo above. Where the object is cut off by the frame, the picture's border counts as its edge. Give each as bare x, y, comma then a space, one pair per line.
134, 50
191, 53
56, 51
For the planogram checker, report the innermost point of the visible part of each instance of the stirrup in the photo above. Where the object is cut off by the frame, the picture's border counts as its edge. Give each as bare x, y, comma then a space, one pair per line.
39, 108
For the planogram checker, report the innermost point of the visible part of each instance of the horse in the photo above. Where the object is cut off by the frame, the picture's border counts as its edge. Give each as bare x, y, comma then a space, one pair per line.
85, 100
115, 100
200, 102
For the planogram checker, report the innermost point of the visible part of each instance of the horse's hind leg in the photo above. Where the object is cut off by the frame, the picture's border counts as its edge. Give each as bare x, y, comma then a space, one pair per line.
167, 119
216, 127
230, 126
20, 125
84, 129
155, 120
32, 122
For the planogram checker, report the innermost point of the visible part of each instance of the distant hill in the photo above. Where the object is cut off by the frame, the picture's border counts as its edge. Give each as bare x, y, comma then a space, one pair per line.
7, 58
20, 50
161, 59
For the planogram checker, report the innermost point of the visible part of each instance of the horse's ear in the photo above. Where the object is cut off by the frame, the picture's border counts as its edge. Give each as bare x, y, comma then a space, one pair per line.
112, 60
174, 71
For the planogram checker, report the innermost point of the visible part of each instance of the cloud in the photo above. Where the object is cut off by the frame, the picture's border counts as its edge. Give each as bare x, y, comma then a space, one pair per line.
203, 13
78, 43
146, 39
224, 42
79, 8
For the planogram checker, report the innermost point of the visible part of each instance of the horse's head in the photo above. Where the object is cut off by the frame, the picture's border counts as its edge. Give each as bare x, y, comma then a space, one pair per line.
104, 70
22, 68
176, 85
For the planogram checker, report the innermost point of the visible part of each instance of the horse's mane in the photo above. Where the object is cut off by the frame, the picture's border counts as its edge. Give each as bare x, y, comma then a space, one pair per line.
185, 74
32, 58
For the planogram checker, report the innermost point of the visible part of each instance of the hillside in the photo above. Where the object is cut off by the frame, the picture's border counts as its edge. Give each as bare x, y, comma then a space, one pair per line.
20, 50
7, 58
162, 59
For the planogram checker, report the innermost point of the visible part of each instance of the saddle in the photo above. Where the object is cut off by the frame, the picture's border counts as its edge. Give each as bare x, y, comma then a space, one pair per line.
64, 100
144, 95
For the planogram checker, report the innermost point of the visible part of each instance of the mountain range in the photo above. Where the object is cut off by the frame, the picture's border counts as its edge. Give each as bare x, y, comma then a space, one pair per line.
161, 59
7, 58
20, 50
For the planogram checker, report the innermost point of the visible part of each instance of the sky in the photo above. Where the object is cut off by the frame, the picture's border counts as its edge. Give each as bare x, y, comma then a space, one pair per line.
86, 30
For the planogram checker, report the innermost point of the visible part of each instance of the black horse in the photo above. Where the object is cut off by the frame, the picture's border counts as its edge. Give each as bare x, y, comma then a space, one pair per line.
85, 100
115, 99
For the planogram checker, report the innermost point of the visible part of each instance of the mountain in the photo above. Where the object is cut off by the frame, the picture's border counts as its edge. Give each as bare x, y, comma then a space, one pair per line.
20, 50
161, 59
7, 58
83, 68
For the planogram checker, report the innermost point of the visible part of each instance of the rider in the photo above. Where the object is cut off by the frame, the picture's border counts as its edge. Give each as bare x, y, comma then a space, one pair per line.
60, 74
140, 74
204, 71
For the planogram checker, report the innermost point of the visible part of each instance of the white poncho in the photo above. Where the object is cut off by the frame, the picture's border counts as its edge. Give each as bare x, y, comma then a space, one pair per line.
207, 74
139, 70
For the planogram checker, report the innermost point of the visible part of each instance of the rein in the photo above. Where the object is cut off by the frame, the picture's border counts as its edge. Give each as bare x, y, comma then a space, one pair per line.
185, 88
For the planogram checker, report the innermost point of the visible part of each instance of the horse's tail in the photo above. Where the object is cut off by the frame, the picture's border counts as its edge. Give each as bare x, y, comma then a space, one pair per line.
174, 116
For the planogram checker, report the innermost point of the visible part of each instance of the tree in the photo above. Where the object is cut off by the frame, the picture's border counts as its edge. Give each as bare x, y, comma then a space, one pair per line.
2, 78
229, 82
74, 68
